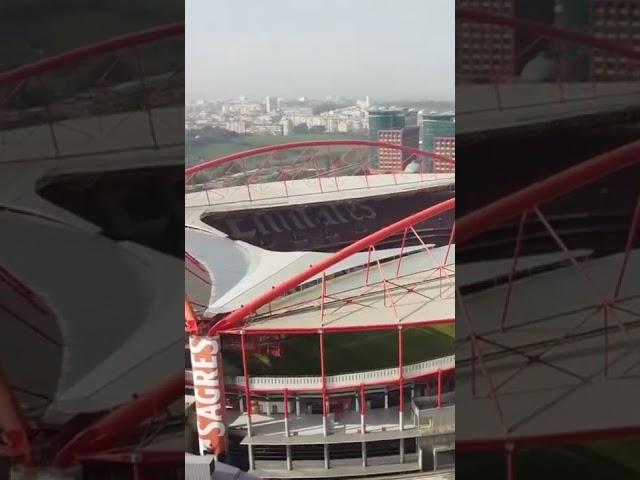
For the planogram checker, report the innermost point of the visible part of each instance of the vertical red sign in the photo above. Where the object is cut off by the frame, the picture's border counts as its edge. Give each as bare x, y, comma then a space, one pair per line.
208, 386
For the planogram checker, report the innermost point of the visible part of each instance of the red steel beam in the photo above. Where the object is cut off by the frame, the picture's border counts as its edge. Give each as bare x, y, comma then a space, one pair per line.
119, 423
313, 143
323, 377
87, 52
13, 424
245, 372
236, 317
190, 319
571, 179
400, 369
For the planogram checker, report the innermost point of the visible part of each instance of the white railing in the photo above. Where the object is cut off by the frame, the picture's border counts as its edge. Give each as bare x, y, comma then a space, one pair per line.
347, 379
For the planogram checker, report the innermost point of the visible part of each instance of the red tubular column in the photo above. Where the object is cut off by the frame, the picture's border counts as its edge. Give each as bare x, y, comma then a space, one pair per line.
401, 391
286, 412
363, 409
400, 378
510, 461
286, 428
247, 394
323, 377
323, 380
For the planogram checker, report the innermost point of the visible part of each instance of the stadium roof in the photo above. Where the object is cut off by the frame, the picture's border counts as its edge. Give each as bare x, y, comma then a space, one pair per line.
548, 366
240, 271
526, 104
102, 357
307, 191
416, 296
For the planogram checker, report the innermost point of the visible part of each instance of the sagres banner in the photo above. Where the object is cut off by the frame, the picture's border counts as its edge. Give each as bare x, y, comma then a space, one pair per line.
208, 387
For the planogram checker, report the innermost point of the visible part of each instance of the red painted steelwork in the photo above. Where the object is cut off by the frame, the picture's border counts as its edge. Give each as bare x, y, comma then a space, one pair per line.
400, 368
245, 373
323, 376
73, 57
119, 423
13, 424
190, 319
316, 143
236, 317
571, 179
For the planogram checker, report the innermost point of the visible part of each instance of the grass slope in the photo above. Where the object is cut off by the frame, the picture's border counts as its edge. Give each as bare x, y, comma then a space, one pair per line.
197, 153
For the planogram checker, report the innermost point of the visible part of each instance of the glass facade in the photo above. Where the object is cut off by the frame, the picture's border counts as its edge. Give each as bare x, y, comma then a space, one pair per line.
434, 126
384, 120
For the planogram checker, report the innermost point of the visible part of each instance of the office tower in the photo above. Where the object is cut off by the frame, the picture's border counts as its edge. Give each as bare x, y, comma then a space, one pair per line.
617, 21
436, 125
394, 159
445, 146
384, 119
484, 51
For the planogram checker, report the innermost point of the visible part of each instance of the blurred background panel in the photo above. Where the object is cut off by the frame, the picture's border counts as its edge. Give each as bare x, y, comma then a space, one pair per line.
91, 262
547, 129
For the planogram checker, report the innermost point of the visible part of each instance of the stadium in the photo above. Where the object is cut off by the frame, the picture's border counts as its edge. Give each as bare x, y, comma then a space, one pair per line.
320, 312
81, 384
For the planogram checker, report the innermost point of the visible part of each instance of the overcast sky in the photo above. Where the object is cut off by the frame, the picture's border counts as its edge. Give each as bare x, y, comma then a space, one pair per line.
387, 49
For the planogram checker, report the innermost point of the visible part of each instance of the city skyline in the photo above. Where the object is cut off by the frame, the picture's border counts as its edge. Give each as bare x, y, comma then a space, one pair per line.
394, 52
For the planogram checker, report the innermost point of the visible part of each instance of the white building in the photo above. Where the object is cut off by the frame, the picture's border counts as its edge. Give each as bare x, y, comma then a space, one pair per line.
271, 104
285, 123
239, 127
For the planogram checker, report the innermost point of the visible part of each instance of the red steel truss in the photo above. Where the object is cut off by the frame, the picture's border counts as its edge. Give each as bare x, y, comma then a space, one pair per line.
354, 159
443, 272
303, 168
133, 44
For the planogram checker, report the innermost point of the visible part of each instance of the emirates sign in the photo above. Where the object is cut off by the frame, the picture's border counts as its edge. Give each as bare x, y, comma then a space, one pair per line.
208, 387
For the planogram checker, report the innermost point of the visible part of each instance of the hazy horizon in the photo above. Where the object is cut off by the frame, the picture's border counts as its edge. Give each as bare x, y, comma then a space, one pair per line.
389, 50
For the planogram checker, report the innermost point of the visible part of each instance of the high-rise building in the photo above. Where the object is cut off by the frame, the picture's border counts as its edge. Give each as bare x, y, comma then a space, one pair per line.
445, 146
411, 117
391, 158
271, 104
617, 21
485, 51
384, 119
436, 125
286, 126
